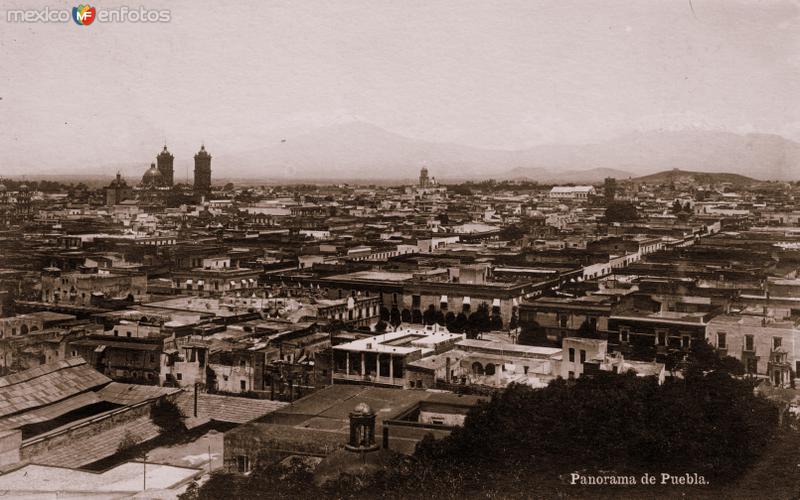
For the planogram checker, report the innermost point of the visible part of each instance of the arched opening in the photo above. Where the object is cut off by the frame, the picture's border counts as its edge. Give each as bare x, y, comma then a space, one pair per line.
23, 329
477, 368
490, 369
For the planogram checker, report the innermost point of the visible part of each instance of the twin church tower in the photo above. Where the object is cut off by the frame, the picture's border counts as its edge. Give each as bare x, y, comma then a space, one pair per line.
162, 173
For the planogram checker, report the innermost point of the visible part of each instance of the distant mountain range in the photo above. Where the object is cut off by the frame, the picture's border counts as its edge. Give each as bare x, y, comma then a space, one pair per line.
698, 178
360, 151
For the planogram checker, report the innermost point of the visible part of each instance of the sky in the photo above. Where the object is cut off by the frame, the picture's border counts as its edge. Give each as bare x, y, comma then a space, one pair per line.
491, 74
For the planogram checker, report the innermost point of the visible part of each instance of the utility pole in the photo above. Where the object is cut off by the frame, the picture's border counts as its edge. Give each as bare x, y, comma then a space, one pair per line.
144, 474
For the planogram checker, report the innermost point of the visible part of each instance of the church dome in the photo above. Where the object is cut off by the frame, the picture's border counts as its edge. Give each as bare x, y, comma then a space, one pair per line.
152, 177
118, 182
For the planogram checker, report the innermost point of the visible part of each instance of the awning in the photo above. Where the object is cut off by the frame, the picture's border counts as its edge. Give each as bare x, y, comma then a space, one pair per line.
515, 302
233, 283
244, 282
444, 299
496, 303
188, 282
200, 282
465, 301
100, 348
252, 280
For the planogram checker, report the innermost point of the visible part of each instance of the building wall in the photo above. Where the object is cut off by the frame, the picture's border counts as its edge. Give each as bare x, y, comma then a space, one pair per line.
763, 342
19, 325
576, 352
77, 288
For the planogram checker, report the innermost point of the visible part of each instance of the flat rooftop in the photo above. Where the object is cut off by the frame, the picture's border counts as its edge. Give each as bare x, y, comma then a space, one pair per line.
372, 276
402, 342
503, 347
126, 478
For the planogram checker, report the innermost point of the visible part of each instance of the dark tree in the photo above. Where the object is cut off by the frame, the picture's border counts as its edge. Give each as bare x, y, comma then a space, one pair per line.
449, 321
460, 323
621, 211
429, 316
167, 416
394, 317
532, 334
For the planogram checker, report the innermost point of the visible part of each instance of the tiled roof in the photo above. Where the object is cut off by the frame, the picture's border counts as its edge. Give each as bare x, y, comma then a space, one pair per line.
91, 448
49, 412
232, 409
130, 394
47, 384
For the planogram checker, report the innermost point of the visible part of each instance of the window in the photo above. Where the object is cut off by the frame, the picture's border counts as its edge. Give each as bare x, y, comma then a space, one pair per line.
722, 340
571, 355
179, 376
624, 334
686, 340
563, 321
243, 463
776, 343
748, 343
661, 337
243, 385
416, 301
583, 356
116, 333
571, 375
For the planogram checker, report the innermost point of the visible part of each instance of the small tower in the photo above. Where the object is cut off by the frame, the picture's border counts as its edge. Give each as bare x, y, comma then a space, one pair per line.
423, 178
362, 429
164, 161
202, 172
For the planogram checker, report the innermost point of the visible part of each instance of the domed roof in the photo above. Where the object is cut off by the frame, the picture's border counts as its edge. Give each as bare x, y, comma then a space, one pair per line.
23, 187
152, 177
2, 188
363, 409
118, 182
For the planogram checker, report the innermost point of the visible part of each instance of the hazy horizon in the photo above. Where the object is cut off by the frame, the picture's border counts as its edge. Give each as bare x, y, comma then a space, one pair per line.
505, 76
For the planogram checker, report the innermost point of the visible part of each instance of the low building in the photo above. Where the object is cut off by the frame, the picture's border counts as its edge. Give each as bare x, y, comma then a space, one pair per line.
382, 359
571, 192
758, 341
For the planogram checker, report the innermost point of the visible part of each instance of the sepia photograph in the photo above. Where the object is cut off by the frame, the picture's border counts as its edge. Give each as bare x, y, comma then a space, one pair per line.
400, 249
